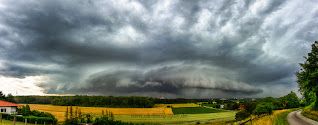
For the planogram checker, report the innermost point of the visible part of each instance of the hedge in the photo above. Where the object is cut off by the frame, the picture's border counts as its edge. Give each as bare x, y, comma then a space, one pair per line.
30, 119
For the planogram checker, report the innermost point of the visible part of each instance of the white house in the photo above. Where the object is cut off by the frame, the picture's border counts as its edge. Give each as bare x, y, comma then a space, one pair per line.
8, 107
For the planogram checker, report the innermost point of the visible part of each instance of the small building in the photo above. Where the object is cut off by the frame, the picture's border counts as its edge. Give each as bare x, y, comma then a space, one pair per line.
8, 107
221, 106
241, 107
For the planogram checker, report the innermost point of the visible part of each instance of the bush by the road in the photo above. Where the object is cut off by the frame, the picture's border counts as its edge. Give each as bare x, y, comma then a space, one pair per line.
263, 108
243, 114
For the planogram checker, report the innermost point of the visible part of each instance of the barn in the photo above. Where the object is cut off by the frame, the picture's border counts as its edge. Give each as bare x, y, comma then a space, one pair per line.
8, 107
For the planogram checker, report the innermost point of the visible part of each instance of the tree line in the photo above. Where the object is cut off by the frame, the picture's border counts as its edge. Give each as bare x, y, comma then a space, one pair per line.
267, 105
104, 101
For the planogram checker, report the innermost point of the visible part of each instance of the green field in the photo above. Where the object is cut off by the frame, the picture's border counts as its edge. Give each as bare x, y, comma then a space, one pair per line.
8, 122
209, 105
194, 110
177, 119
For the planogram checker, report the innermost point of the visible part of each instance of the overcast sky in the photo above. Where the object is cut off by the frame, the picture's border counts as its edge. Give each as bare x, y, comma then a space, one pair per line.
188, 49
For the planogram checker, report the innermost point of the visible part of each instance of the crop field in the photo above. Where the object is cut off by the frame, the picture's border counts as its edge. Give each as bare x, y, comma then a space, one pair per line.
194, 110
178, 119
176, 105
155, 116
59, 111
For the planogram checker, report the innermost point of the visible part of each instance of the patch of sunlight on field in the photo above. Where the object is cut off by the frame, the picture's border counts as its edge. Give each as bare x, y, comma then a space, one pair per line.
176, 105
265, 120
59, 111
177, 119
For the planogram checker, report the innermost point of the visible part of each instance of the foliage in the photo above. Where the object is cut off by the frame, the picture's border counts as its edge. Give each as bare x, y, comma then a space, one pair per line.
243, 114
250, 106
307, 77
75, 117
290, 101
277, 105
8, 98
104, 101
34, 99
31, 119
25, 110
232, 106
263, 108
194, 110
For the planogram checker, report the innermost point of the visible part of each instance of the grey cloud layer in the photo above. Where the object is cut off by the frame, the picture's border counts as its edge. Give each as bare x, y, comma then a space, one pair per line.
165, 47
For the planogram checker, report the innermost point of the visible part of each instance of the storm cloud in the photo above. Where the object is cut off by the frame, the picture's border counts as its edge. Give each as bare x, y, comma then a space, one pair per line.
191, 49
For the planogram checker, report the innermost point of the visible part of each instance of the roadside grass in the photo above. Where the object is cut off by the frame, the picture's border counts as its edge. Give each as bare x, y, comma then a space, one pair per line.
281, 119
8, 122
277, 118
194, 110
309, 113
175, 105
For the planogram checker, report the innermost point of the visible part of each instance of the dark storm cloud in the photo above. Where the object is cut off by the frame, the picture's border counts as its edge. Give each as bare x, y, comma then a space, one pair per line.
165, 47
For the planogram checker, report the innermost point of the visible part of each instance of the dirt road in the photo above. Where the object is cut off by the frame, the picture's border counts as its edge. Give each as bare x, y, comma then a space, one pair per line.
295, 118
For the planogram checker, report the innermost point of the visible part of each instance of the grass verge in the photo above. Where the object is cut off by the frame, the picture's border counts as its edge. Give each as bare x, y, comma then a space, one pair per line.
309, 113
194, 110
281, 119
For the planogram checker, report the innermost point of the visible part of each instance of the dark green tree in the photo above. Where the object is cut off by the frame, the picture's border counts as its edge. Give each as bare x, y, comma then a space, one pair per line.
307, 77
2, 96
10, 98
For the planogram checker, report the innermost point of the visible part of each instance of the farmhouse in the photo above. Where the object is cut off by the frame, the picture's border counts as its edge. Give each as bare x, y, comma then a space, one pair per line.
8, 107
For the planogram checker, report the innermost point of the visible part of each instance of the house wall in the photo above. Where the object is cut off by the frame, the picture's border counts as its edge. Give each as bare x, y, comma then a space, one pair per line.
9, 110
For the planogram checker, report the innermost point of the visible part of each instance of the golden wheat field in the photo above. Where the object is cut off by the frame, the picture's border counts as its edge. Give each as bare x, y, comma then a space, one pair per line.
59, 111
176, 105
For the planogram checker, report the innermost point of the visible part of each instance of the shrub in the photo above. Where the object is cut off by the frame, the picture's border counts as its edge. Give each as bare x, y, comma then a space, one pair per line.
242, 114
263, 108
250, 107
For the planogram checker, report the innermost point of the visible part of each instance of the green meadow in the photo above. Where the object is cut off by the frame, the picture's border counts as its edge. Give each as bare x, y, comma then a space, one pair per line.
177, 119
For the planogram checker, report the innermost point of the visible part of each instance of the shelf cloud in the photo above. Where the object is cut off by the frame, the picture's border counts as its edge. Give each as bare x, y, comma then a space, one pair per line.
190, 49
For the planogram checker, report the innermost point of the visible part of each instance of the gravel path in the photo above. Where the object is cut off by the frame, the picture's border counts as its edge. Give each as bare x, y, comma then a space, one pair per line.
295, 118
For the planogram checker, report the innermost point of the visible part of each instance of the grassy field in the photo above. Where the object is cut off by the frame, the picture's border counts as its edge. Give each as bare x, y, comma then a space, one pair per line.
176, 105
194, 110
8, 122
59, 111
177, 119
209, 105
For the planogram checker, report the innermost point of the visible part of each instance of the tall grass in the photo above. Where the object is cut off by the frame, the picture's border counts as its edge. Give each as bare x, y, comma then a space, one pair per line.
310, 113
277, 118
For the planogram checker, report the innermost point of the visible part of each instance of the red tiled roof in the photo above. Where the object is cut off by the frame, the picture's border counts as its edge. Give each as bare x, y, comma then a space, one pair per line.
7, 104
241, 107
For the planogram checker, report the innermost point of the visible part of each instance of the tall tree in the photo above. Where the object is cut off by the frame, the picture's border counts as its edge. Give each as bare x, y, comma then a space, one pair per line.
307, 77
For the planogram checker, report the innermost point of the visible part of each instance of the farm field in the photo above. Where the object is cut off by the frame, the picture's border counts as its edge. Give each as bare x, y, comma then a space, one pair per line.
178, 119
176, 105
194, 110
155, 116
59, 111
